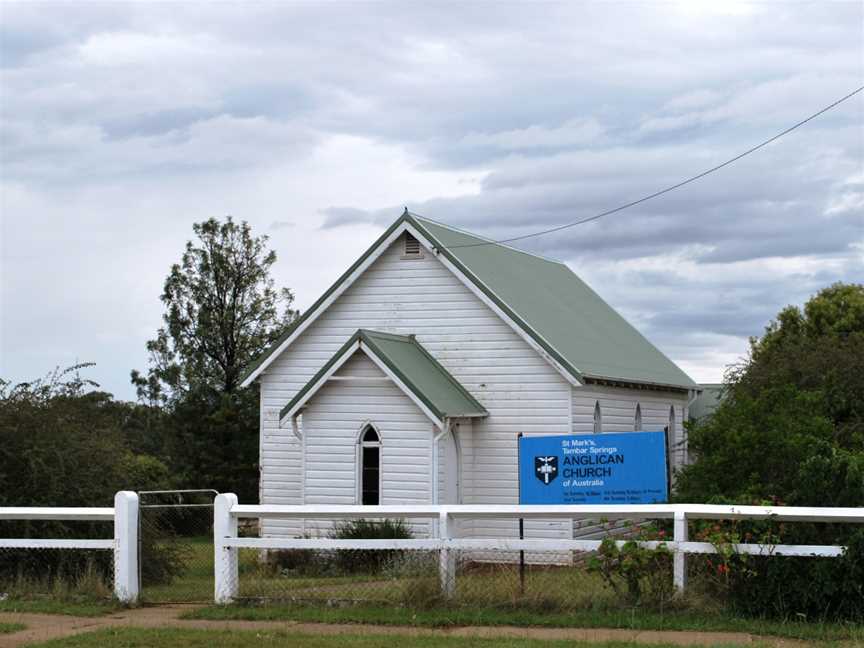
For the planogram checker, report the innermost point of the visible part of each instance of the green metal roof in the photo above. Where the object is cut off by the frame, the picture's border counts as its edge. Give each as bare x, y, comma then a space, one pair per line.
558, 310
571, 321
414, 366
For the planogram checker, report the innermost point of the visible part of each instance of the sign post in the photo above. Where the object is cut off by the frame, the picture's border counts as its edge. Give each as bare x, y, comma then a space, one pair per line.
521, 524
608, 468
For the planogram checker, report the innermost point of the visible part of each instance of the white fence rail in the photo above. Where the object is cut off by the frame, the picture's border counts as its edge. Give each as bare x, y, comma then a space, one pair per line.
124, 543
227, 513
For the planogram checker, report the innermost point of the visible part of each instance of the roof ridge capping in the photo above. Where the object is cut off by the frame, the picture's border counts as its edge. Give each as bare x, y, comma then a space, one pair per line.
483, 239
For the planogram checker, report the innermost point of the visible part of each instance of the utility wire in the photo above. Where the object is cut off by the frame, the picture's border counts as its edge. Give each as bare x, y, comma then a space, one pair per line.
667, 189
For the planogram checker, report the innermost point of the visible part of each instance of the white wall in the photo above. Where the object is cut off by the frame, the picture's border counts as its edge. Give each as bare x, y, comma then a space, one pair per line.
332, 421
521, 391
618, 409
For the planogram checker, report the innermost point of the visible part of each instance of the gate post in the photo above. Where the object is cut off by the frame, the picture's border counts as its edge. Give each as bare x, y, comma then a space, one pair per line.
225, 564
446, 557
126, 586
679, 557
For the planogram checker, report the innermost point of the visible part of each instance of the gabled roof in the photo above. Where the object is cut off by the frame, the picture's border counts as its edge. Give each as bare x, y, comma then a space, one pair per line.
590, 336
546, 301
410, 366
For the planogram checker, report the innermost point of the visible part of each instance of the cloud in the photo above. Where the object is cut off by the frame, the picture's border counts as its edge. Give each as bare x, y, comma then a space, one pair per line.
79, 153
281, 224
122, 125
575, 132
339, 216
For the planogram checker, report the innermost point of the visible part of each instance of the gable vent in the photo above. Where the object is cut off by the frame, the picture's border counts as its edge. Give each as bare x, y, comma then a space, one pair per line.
412, 247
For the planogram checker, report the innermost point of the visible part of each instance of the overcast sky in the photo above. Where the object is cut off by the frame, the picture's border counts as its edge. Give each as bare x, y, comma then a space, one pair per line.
123, 124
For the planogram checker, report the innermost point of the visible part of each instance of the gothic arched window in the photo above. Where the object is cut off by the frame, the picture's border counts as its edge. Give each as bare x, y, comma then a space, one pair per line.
370, 466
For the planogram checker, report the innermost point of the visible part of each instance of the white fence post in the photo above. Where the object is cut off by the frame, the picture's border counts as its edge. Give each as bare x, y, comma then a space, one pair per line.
126, 586
226, 574
680, 558
447, 559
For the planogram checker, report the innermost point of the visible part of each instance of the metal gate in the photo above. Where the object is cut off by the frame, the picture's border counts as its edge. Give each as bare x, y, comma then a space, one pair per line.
175, 545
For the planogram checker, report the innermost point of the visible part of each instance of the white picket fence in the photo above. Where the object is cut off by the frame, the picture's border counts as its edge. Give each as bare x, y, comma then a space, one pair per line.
124, 544
228, 511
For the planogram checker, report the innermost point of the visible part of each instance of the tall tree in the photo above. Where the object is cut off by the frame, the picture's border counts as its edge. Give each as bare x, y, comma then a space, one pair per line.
221, 310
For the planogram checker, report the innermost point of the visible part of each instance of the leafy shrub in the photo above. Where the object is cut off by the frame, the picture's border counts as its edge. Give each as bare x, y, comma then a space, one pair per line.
784, 586
371, 561
639, 576
61, 445
790, 427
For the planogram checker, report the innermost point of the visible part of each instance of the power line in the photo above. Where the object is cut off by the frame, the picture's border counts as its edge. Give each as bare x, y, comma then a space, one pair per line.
667, 189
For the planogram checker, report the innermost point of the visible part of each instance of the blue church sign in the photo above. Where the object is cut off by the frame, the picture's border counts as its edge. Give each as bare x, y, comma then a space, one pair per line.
608, 468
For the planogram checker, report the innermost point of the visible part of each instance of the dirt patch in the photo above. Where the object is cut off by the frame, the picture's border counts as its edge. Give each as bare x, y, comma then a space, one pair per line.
42, 627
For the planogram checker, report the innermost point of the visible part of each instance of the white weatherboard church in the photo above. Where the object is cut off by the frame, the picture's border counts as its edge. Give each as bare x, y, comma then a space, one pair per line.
410, 379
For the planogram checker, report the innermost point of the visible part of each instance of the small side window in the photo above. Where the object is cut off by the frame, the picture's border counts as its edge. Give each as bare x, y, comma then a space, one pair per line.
637, 419
671, 434
598, 418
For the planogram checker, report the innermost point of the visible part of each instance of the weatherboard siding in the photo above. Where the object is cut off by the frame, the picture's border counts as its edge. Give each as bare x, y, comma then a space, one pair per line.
332, 422
521, 391
618, 414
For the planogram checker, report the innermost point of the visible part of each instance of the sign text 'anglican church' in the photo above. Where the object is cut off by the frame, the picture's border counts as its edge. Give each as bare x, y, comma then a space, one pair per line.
613, 468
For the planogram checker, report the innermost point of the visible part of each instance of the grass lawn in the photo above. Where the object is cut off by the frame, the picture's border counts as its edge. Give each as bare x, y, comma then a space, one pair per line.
85, 608
174, 638
196, 584
628, 619
8, 628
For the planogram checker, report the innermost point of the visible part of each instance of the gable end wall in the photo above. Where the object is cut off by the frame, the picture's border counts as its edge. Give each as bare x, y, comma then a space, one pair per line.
521, 391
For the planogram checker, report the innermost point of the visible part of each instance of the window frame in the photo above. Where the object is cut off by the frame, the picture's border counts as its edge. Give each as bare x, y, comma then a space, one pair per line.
362, 444
672, 431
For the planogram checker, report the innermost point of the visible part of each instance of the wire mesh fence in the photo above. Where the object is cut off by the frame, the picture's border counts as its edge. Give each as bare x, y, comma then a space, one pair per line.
176, 545
412, 578
56, 573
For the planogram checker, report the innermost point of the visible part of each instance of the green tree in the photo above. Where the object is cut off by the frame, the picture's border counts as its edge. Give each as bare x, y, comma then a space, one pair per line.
791, 425
221, 311
791, 430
